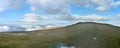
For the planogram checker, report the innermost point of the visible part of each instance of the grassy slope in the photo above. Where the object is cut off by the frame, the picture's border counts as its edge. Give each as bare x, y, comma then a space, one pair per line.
80, 35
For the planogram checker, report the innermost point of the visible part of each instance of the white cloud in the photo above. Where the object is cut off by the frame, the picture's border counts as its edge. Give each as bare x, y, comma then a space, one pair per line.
49, 6
86, 18
10, 4
4, 28
31, 17
93, 18
1, 9
118, 14
68, 17
10, 28
32, 28
103, 5
37, 27
102, 8
49, 26
58, 6
78, 2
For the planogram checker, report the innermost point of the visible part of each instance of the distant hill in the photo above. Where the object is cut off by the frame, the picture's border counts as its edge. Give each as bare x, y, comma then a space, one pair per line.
80, 35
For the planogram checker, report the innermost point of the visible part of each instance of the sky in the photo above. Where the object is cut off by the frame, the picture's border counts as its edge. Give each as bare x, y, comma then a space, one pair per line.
57, 12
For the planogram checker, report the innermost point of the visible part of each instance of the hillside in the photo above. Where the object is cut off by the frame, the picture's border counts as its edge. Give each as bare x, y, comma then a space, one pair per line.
80, 35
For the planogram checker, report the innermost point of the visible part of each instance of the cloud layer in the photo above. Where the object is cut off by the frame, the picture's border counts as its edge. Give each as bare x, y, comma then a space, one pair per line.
31, 17
4, 28
63, 6
58, 6
11, 4
23, 27
86, 18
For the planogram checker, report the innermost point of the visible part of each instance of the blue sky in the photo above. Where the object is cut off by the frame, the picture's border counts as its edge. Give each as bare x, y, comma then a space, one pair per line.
63, 11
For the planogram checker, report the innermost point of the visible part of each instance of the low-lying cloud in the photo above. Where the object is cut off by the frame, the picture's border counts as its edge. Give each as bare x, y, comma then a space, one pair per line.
4, 28
86, 18
23, 27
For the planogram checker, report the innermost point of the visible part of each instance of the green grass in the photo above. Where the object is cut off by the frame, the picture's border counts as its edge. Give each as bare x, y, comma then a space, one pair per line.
79, 35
